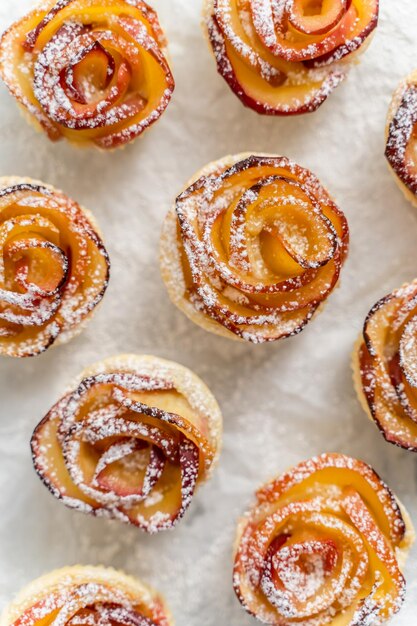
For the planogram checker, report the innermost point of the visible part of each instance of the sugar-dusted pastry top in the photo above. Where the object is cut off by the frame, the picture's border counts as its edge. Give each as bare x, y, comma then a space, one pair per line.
401, 146
285, 57
54, 268
385, 363
86, 595
91, 71
132, 439
323, 546
253, 247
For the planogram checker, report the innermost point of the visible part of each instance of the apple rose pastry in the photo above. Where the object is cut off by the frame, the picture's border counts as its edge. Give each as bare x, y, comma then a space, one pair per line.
86, 595
385, 366
54, 268
132, 440
253, 247
284, 57
322, 546
91, 71
401, 148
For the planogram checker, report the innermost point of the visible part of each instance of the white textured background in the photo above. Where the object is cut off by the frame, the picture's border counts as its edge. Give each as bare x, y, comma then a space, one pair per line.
281, 403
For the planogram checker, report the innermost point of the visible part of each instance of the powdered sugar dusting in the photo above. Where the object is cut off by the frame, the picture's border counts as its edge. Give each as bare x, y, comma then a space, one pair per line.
302, 551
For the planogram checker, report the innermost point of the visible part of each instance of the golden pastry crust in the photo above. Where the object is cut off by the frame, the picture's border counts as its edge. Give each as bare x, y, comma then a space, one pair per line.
400, 137
128, 593
94, 72
204, 290
55, 267
384, 364
290, 547
282, 60
152, 431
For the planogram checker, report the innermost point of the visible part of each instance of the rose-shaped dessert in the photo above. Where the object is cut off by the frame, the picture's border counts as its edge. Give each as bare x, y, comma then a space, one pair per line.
132, 440
86, 595
285, 57
253, 247
322, 547
385, 366
401, 148
91, 71
54, 268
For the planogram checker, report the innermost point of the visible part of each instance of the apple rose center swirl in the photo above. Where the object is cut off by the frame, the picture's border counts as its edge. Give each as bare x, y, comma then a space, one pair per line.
54, 268
321, 547
263, 245
115, 447
97, 70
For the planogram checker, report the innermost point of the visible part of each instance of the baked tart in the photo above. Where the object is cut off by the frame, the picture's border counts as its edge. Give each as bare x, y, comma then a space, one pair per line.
401, 137
86, 595
385, 366
54, 268
286, 57
93, 72
323, 545
253, 247
132, 439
